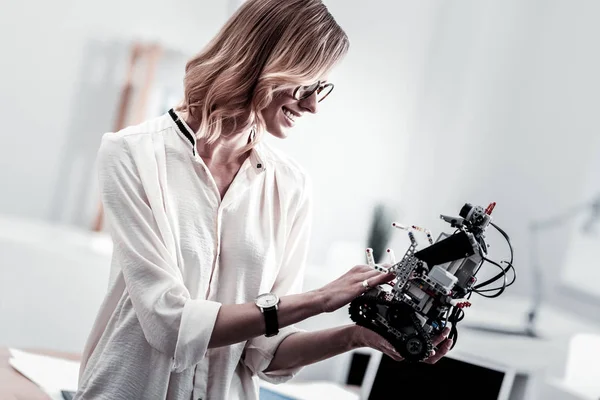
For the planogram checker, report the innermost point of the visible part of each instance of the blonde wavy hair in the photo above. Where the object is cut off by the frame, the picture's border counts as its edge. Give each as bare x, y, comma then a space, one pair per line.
265, 47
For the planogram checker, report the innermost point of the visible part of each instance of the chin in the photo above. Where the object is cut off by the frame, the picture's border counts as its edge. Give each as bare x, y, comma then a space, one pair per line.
277, 125
278, 132
279, 135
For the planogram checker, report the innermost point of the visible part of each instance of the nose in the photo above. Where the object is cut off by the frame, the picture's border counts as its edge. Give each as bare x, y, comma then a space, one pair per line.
310, 103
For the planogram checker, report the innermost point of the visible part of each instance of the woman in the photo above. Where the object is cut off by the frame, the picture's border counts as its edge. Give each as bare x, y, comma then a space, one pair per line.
205, 218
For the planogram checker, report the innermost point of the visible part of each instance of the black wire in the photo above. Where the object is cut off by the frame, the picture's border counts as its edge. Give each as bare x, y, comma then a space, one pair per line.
483, 245
493, 279
507, 240
447, 318
504, 270
453, 334
514, 277
500, 289
478, 267
492, 296
503, 274
454, 315
514, 271
457, 315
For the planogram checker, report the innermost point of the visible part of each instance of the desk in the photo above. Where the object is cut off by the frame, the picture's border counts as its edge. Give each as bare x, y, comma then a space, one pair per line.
14, 386
310, 390
535, 360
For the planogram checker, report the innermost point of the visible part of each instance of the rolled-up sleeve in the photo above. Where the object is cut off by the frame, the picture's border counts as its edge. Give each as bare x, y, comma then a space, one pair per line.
172, 322
260, 350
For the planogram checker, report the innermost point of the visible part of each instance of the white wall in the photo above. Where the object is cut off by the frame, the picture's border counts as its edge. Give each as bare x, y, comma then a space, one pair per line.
506, 112
45, 47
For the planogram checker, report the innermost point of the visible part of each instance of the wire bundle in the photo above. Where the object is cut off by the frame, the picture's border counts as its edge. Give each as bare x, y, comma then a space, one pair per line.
455, 314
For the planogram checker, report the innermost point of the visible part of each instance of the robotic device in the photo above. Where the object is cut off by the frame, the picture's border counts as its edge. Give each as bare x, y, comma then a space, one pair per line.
432, 285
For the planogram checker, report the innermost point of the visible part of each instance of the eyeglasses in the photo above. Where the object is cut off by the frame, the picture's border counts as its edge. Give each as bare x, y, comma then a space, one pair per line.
322, 90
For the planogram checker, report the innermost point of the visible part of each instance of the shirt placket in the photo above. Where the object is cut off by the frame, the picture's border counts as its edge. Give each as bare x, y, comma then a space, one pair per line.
210, 294
201, 373
200, 388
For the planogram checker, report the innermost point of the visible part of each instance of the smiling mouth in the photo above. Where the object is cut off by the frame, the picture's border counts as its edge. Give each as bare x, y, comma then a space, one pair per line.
291, 116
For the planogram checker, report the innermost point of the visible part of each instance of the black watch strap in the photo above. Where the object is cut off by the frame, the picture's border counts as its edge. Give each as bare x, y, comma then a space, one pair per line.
271, 321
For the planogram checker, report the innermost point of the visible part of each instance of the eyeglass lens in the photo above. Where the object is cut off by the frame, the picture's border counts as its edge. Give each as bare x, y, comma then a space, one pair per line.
307, 91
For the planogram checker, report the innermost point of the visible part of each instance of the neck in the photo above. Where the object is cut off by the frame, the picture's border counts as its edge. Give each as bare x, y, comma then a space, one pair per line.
225, 150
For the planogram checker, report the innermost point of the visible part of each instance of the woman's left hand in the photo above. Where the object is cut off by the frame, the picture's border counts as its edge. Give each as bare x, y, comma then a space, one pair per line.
365, 337
442, 344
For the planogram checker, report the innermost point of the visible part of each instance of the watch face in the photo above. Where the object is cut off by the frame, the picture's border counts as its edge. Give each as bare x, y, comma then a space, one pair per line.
267, 300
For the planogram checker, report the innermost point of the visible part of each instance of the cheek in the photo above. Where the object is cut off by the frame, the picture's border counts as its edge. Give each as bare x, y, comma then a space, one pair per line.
269, 114
273, 109
279, 100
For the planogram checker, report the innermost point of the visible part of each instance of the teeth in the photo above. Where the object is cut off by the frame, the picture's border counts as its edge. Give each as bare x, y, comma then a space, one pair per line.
289, 114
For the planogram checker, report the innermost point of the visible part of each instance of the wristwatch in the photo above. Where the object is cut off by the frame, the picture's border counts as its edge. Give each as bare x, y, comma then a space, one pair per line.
268, 305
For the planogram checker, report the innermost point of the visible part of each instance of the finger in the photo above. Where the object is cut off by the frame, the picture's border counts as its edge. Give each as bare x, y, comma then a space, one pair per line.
433, 359
375, 278
362, 268
375, 267
441, 352
386, 347
447, 345
391, 352
369, 276
384, 267
436, 356
441, 337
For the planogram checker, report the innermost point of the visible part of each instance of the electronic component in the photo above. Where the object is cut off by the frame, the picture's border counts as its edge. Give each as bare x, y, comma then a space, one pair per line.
432, 285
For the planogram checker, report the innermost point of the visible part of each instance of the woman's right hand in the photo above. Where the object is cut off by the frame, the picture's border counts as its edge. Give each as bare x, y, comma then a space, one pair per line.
350, 285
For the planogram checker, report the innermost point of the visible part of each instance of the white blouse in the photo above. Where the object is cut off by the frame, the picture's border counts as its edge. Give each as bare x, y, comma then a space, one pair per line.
179, 253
